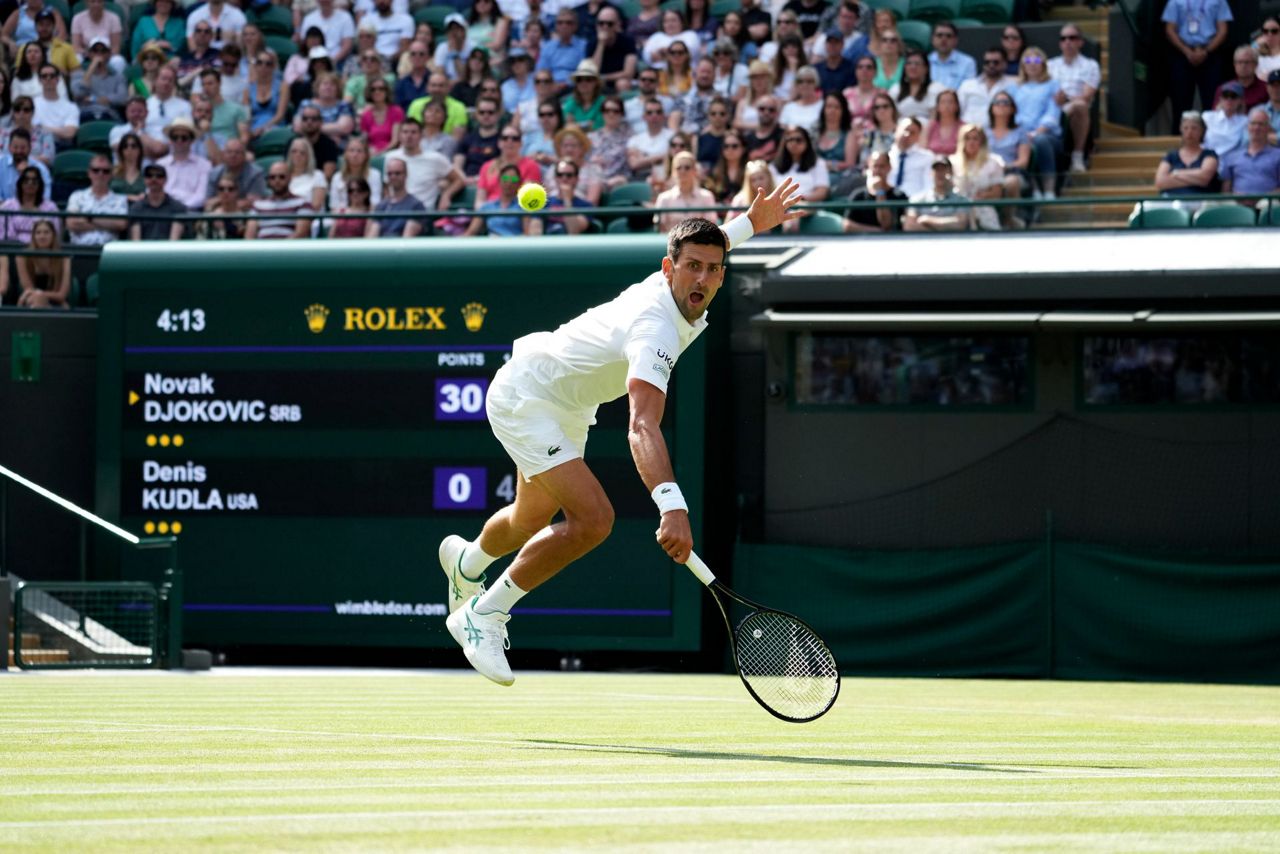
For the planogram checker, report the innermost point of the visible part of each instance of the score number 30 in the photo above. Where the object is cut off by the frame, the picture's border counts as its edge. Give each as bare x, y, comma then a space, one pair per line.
461, 399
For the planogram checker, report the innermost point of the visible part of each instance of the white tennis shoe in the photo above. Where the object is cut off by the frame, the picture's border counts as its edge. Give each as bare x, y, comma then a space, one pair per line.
483, 638
461, 588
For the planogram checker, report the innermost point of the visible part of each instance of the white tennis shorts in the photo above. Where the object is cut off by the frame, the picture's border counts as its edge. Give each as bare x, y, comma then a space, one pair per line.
536, 434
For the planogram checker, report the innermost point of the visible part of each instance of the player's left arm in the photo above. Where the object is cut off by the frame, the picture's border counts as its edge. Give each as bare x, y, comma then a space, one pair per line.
653, 462
766, 213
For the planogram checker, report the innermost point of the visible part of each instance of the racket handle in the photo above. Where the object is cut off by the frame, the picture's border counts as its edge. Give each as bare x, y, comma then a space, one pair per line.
700, 569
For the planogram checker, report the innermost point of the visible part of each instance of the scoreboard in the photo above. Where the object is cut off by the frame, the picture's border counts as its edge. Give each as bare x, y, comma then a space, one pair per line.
309, 422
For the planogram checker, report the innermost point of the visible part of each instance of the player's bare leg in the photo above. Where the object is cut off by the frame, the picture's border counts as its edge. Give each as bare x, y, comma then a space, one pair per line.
464, 562
480, 625
588, 520
513, 525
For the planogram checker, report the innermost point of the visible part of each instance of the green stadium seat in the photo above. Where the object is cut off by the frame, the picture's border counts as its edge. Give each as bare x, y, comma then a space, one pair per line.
675, 6
274, 141
720, 8
822, 222
91, 290
966, 23
631, 8
465, 200
1160, 218
434, 15
935, 10
62, 8
282, 46
274, 21
988, 11
72, 166
899, 8
1270, 216
93, 136
618, 226
915, 34
635, 193
377, 163
1225, 216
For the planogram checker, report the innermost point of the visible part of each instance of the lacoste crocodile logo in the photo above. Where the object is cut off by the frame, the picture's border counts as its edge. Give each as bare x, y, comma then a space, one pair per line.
551, 452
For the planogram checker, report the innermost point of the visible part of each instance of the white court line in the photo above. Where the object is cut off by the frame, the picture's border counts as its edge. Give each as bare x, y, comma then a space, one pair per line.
507, 782
754, 812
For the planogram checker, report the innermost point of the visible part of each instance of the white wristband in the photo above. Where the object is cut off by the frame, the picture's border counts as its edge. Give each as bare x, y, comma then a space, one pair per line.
668, 497
738, 230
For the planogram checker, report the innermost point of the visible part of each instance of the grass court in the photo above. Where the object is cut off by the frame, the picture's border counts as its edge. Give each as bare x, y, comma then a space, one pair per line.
347, 760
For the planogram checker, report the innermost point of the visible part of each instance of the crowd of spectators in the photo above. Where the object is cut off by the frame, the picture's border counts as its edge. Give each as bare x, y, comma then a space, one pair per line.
366, 107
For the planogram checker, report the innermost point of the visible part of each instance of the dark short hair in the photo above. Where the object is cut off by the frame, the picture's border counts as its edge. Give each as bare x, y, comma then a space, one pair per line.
410, 120
210, 71
20, 133
697, 231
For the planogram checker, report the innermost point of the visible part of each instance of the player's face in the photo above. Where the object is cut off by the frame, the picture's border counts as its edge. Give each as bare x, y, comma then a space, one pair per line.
695, 278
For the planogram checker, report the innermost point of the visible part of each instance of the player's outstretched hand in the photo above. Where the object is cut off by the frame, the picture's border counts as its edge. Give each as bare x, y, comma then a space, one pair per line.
768, 212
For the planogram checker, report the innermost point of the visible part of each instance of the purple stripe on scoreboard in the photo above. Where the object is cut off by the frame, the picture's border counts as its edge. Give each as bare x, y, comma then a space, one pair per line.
282, 609
313, 348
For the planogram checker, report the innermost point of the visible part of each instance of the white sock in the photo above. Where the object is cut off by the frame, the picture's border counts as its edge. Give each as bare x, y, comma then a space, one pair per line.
501, 596
475, 561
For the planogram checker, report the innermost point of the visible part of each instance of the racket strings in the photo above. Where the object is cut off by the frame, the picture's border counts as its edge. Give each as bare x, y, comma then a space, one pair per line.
786, 665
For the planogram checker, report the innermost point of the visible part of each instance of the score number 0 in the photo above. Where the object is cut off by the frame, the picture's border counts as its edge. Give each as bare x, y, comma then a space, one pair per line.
464, 487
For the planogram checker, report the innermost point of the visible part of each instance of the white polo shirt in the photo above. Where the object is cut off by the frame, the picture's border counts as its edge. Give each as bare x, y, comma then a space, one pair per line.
638, 334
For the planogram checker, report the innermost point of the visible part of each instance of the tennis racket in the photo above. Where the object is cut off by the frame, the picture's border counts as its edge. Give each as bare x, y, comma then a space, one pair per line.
782, 662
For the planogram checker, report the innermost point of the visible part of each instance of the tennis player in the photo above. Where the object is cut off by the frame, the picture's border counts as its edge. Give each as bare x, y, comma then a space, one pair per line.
541, 403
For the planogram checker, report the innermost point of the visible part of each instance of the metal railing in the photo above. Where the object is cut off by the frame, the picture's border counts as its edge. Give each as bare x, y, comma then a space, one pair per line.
169, 591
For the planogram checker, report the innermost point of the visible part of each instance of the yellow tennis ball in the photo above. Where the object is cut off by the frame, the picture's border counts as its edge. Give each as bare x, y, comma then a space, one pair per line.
532, 196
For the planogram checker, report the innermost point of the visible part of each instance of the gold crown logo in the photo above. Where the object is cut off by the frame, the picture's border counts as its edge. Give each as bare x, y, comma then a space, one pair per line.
473, 315
317, 316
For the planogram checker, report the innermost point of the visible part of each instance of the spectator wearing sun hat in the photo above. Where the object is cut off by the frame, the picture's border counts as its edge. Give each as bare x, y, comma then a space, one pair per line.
451, 54
188, 172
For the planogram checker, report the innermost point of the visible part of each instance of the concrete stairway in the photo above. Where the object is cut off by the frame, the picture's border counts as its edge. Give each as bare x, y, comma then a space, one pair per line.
1123, 162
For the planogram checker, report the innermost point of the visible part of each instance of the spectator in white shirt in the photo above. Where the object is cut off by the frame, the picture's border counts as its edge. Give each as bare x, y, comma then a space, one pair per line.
101, 214
975, 94
1078, 79
1226, 124
395, 30
54, 112
917, 93
165, 104
908, 161
649, 147
338, 26
227, 22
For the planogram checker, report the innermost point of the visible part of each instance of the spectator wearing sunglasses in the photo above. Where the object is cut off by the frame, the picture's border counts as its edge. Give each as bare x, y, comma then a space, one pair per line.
225, 20
1225, 124
226, 199
188, 172
479, 146
1078, 79
154, 216
566, 196
98, 214
509, 184
614, 52
509, 154
977, 93
357, 195
42, 145
1038, 112
54, 112
649, 148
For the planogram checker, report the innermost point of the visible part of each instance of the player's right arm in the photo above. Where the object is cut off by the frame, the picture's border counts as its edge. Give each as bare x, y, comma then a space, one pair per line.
653, 462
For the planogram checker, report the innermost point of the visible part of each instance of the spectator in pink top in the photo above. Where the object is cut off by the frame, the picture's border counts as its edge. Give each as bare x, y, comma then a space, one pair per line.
380, 120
